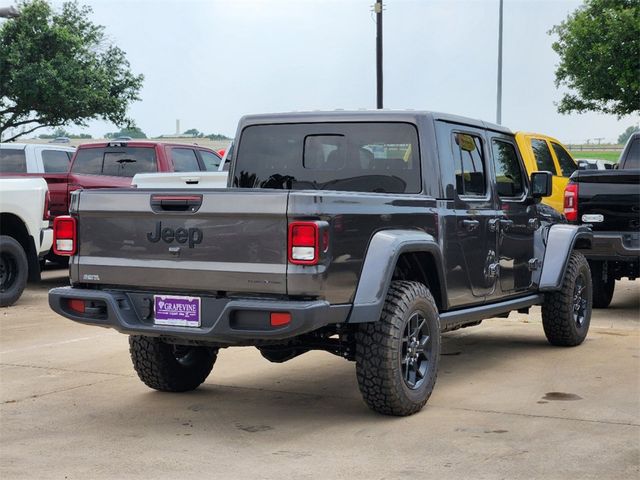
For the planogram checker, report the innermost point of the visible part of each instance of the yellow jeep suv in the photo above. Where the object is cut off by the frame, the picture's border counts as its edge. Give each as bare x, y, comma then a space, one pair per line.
541, 152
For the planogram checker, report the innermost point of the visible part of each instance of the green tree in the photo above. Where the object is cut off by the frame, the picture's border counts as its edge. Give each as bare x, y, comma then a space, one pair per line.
599, 48
194, 132
58, 68
132, 131
624, 136
217, 136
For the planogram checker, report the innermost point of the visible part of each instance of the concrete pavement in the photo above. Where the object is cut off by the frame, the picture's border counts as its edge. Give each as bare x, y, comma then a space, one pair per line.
506, 405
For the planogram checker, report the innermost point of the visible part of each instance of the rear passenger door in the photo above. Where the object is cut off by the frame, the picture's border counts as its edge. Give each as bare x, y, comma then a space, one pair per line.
475, 215
517, 220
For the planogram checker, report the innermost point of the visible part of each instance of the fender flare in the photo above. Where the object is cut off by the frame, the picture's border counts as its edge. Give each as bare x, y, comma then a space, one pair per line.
383, 252
561, 241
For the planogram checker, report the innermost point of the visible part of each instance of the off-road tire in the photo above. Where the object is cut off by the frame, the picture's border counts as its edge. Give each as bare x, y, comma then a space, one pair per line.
15, 270
379, 351
170, 368
558, 310
602, 289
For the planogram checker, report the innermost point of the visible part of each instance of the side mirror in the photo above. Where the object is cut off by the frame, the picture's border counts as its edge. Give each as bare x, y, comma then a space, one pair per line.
541, 184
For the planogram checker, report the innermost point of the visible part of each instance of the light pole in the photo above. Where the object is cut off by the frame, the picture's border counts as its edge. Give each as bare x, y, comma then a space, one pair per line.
499, 86
378, 10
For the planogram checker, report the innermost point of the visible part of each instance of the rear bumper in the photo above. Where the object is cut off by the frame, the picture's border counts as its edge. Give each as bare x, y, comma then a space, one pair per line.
223, 320
620, 246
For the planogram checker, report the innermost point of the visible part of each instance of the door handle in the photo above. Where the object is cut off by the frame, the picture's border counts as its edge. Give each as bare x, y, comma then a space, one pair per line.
470, 225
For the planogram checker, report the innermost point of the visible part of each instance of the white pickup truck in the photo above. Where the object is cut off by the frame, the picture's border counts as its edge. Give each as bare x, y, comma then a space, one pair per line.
25, 236
16, 158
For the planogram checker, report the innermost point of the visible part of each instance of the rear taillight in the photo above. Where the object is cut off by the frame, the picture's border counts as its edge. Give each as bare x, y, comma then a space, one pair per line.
304, 243
46, 214
571, 202
64, 235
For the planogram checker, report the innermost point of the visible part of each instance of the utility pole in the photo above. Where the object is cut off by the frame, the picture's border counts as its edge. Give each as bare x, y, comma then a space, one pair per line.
499, 88
378, 9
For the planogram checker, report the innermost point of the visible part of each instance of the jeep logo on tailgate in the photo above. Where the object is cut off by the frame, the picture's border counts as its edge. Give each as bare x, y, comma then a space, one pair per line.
181, 235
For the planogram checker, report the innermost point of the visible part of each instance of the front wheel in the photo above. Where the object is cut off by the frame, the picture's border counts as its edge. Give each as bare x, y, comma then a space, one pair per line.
566, 313
397, 357
170, 368
14, 270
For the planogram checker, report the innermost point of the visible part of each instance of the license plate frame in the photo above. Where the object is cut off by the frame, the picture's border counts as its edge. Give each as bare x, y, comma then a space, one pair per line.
177, 311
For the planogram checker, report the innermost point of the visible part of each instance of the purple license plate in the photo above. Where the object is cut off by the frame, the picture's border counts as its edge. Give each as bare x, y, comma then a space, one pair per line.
175, 310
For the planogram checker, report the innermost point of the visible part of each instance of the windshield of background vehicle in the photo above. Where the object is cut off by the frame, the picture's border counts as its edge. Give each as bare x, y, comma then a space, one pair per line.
360, 157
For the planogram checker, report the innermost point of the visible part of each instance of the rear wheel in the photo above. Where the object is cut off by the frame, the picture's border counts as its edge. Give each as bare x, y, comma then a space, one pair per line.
566, 313
170, 368
397, 357
603, 284
14, 270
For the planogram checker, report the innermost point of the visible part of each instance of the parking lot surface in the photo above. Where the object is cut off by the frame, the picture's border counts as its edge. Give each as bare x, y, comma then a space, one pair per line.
506, 405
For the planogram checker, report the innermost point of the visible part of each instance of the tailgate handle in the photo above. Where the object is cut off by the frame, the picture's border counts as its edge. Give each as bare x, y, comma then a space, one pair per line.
176, 203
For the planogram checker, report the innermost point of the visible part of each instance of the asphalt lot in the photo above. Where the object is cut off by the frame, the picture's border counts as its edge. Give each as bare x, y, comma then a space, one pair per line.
506, 405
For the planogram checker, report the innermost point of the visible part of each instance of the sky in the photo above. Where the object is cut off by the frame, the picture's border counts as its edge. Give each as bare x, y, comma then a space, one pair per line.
207, 63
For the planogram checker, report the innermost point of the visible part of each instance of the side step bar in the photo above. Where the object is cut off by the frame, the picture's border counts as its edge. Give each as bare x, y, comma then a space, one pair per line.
458, 318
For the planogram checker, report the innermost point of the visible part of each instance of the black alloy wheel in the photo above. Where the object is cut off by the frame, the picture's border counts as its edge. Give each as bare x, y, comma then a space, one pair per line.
416, 351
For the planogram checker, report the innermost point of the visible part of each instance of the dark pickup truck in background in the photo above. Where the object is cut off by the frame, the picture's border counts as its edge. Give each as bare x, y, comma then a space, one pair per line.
609, 201
364, 234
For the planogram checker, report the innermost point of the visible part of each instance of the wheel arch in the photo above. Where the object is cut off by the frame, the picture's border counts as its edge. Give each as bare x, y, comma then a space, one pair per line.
411, 255
561, 241
13, 226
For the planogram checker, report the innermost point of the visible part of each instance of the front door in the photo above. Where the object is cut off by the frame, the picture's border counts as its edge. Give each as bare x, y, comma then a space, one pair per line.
517, 220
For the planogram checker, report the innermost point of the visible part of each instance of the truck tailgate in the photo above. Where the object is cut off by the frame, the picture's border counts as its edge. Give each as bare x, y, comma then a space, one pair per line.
204, 241
612, 198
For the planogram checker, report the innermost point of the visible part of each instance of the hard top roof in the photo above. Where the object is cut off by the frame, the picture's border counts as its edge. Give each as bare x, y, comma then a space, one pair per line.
50, 146
411, 116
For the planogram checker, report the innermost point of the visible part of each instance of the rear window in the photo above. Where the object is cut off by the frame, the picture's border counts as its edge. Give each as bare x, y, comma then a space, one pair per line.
359, 157
12, 160
55, 161
115, 161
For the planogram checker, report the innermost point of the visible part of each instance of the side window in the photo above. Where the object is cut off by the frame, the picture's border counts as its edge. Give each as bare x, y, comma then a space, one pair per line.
88, 161
184, 160
12, 160
211, 161
633, 155
543, 155
567, 165
55, 161
470, 165
509, 178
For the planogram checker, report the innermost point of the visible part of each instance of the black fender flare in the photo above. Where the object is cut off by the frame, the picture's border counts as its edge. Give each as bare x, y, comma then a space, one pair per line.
561, 241
383, 252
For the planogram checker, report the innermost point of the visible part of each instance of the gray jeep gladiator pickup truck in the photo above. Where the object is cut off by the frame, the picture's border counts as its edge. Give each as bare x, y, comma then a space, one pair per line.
364, 234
